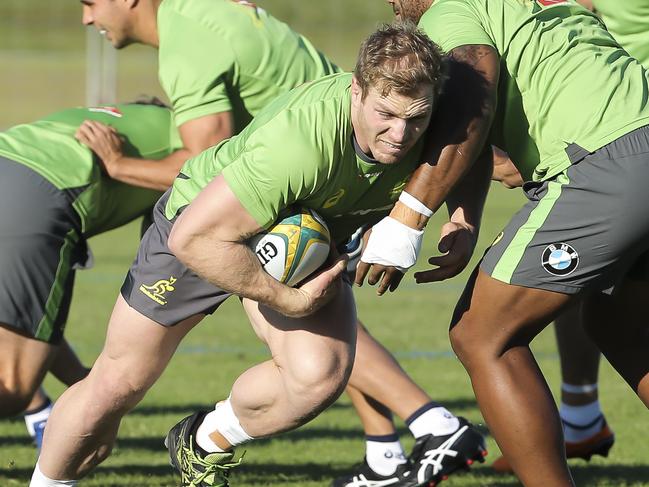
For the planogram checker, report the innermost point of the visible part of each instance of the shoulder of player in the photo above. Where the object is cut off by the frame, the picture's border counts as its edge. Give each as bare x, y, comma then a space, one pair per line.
213, 16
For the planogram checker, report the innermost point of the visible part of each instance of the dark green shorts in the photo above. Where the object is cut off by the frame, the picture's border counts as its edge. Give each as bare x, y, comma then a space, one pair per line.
40, 241
584, 228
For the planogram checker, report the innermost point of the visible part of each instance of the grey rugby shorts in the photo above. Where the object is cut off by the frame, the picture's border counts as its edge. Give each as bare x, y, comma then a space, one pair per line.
159, 286
40, 242
584, 228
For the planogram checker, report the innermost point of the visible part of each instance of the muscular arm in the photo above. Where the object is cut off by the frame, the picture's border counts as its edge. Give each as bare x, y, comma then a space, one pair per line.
197, 135
209, 238
459, 132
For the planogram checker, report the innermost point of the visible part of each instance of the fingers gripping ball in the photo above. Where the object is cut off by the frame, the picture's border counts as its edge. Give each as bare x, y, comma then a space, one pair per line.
294, 247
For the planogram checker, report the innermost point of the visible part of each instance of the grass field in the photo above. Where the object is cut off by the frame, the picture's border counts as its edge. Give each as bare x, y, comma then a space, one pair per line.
42, 50
411, 322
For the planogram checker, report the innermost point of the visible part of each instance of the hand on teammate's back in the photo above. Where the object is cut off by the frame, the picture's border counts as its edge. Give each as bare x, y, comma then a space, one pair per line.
456, 243
104, 141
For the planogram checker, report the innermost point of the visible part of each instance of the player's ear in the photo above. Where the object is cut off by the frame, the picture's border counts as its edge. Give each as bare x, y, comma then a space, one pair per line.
131, 4
357, 91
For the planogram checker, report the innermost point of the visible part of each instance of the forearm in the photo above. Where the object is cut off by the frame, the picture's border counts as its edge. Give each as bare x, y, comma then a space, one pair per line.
466, 202
149, 173
459, 132
232, 266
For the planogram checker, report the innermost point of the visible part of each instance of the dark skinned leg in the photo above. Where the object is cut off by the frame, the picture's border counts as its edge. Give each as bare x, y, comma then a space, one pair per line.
491, 330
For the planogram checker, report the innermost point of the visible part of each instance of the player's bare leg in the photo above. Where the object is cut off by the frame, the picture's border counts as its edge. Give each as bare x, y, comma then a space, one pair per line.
626, 343
377, 387
584, 426
312, 361
66, 366
82, 428
377, 374
312, 358
490, 332
579, 357
23, 365
375, 417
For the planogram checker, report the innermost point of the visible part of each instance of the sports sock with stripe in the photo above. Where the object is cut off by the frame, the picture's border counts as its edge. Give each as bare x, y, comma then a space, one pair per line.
432, 419
384, 453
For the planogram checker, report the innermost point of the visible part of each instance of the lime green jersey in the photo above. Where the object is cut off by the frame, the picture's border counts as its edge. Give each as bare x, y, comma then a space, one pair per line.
563, 78
223, 55
300, 150
49, 148
628, 21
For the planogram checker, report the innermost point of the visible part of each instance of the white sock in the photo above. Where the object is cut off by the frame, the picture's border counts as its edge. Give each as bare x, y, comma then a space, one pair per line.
432, 419
33, 417
223, 420
384, 454
581, 422
40, 480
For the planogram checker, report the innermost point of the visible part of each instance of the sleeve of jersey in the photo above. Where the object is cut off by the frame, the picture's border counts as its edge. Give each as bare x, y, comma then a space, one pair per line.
454, 23
194, 62
278, 167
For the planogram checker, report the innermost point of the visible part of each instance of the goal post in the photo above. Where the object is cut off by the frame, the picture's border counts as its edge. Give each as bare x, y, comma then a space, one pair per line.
101, 69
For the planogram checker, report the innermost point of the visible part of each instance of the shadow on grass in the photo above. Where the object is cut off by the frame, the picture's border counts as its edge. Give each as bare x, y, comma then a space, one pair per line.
186, 409
610, 474
283, 473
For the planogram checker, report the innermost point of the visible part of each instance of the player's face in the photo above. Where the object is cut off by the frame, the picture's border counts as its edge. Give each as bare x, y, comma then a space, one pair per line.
111, 18
387, 127
409, 9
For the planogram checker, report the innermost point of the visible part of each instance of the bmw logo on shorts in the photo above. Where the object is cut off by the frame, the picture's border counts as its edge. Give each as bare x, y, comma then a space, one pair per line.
560, 259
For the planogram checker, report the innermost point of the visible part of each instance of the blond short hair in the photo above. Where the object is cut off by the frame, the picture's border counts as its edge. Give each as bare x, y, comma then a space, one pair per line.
399, 57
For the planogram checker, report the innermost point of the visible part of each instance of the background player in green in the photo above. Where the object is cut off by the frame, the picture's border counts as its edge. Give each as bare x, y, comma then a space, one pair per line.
55, 195
258, 58
363, 152
539, 66
220, 62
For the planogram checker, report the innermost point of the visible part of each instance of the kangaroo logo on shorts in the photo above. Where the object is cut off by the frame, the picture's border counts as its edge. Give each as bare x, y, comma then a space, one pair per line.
157, 291
560, 259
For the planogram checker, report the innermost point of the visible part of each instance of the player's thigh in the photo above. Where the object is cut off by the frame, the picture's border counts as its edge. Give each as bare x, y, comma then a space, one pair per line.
137, 349
618, 324
159, 302
493, 316
328, 335
24, 361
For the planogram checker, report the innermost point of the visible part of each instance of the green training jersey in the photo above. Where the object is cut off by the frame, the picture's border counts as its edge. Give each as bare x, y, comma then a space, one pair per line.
223, 55
563, 78
628, 21
49, 148
300, 150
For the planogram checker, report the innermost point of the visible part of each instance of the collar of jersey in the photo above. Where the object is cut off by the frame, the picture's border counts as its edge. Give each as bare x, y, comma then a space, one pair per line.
366, 164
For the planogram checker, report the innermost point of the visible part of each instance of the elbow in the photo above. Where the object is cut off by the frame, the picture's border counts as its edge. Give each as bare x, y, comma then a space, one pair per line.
179, 241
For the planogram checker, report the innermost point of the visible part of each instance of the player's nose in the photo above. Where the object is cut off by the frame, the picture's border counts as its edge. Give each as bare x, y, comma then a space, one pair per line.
86, 16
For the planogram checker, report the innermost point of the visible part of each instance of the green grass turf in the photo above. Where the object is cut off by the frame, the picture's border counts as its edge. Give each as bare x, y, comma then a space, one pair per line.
411, 322
42, 51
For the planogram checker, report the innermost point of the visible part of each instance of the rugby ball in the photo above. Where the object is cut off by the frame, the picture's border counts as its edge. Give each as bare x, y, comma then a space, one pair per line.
294, 247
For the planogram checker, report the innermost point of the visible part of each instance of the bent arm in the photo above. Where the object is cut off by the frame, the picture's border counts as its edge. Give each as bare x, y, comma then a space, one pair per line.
459, 131
197, 135
209, 237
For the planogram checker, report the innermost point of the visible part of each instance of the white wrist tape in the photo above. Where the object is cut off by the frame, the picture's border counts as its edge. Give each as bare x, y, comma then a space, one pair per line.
393, 244
414, 204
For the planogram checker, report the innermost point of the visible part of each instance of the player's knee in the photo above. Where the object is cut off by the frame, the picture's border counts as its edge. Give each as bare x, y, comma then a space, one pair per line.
469, 346
322, 380
118, 391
